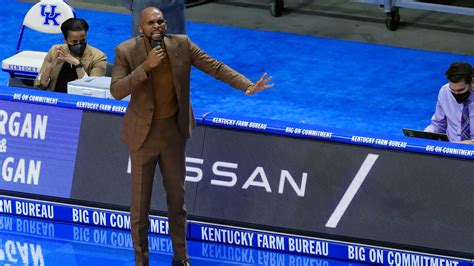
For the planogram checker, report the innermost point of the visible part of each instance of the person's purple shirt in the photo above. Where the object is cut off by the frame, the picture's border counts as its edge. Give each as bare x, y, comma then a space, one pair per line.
447, 117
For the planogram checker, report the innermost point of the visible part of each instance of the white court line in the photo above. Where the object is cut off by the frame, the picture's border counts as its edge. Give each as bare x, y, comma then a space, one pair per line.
352, 190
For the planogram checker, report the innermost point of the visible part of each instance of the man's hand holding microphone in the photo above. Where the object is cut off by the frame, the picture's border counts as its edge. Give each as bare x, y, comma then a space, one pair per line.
155, 56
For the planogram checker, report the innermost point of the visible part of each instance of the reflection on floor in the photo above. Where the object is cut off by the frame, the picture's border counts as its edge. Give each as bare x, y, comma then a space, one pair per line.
40, 242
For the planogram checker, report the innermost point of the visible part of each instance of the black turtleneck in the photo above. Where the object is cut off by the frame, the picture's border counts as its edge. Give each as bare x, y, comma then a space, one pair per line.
67, 73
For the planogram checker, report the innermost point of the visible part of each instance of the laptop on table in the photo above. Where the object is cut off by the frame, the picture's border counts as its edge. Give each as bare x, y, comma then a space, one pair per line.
425, 135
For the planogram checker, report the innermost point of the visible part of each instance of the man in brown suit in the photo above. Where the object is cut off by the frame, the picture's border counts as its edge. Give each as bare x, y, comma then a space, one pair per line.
155, 69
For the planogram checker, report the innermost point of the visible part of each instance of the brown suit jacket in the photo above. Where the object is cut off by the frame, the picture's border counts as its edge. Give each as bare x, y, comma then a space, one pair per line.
129, 78
93, 60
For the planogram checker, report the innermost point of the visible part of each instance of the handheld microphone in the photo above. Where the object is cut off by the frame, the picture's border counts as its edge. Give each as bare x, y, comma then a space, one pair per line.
155, 43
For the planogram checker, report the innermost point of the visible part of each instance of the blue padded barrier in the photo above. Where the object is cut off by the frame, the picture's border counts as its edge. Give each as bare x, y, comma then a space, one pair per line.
348, 136
255, 124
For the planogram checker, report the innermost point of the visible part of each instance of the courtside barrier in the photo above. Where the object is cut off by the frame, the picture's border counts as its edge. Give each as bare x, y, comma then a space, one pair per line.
317, 132
238, 237
252, 173
298, 130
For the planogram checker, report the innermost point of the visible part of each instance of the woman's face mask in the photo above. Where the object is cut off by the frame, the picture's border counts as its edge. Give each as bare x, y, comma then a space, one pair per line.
77, 49
77, 42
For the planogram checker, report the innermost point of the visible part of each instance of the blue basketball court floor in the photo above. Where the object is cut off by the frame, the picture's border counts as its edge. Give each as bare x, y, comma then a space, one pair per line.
25, 241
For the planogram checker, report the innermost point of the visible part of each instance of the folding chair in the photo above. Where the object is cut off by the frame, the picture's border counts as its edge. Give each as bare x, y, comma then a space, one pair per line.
45, 16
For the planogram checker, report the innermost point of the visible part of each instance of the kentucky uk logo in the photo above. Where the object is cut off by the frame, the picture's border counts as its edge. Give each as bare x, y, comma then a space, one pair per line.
50, 16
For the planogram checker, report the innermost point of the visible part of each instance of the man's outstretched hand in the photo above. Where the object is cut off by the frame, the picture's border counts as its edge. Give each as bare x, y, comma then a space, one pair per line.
260, 85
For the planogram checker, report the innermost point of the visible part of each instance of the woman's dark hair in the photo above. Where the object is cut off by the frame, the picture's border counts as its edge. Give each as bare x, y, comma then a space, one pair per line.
74, 24
459, 71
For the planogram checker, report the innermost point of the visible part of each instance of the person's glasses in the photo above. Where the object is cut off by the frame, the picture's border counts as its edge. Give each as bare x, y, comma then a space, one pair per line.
461, 91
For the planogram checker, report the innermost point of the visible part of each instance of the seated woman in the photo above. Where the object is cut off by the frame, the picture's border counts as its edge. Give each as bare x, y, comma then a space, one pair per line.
70, 61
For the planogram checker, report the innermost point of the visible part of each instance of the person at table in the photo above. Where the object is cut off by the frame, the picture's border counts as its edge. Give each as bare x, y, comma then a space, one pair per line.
455, 105
75, 59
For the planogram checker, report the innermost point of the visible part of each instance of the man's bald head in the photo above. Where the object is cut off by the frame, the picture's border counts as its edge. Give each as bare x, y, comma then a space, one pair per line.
152, 23
147, 12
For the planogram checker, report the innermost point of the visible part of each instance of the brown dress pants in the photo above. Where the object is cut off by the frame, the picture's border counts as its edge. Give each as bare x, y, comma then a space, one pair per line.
166, 146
